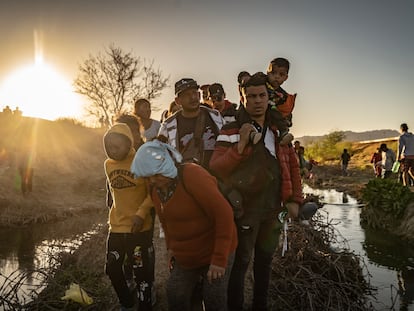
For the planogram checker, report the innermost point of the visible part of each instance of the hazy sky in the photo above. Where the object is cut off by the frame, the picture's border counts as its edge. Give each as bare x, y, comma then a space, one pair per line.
352, 61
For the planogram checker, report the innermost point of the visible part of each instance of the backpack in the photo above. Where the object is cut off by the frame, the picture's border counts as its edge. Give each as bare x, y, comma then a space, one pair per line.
193, 151
232, 195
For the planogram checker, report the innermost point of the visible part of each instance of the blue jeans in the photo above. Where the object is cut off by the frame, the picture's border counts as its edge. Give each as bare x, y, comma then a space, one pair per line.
182, 282
258, 232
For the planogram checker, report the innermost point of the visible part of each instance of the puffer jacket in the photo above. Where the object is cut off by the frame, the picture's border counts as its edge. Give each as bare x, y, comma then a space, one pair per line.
290, 171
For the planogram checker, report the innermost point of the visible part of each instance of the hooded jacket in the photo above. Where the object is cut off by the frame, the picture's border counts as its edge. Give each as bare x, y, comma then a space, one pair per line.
130, 194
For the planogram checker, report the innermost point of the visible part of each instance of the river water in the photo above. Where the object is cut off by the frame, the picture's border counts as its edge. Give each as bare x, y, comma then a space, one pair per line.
26, 251
388, 260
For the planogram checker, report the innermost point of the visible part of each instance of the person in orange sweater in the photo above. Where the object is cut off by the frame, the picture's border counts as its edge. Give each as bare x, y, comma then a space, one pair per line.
200, 233
130, 221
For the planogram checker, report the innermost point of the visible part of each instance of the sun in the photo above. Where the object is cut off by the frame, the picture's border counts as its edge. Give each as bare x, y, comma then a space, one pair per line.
40, 91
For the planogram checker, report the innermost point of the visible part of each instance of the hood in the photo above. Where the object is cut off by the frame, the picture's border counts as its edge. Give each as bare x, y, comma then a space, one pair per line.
123, 129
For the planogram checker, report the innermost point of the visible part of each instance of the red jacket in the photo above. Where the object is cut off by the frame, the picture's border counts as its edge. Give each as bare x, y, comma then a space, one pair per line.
225, 159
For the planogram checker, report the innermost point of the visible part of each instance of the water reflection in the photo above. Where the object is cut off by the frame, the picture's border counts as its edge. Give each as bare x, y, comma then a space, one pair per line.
25, 250
388, 259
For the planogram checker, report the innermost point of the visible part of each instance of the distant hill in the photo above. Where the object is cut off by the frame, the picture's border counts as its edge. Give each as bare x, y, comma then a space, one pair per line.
354, 136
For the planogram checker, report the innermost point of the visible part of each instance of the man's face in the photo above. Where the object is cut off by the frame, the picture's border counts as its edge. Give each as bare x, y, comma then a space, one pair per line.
218, 102
143, 111
255, 100
189, 100
297, 145
277, 76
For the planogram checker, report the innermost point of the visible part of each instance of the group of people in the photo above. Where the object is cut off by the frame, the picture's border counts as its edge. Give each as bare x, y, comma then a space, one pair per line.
8, 112
217, 176
386, 162
383, 161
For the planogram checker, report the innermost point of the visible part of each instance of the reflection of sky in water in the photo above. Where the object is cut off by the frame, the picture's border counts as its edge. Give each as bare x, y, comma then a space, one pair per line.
24, 250
384, 255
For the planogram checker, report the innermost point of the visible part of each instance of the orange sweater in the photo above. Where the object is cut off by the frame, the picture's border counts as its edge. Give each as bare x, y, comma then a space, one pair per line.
198, 221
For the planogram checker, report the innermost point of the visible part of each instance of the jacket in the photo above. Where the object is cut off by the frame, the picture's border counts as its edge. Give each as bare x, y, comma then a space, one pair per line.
226, 158
229, 111
169, 128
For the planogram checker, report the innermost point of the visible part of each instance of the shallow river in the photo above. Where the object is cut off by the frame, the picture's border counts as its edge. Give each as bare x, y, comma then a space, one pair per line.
387, 258
24, 251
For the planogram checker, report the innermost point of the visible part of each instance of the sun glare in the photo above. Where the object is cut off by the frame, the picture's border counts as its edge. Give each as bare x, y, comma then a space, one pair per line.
40, 91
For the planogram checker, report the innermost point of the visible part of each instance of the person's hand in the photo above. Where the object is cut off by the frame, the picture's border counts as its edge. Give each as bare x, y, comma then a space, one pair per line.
244, 132
137, 224
215, 272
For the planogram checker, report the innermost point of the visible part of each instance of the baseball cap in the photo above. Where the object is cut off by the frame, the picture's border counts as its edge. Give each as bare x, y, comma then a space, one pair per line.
185, 84
216, 91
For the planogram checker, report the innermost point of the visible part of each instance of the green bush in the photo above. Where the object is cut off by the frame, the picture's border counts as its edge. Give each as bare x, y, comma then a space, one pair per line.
329, 148
388, 196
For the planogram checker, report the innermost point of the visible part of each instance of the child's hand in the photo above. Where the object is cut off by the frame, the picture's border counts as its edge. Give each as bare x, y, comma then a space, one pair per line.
137, 224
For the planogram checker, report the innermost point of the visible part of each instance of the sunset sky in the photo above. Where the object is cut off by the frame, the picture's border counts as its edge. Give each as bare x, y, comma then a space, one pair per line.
352, 62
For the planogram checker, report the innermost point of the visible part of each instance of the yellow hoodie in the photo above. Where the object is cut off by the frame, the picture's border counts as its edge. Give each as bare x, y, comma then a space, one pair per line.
130, 195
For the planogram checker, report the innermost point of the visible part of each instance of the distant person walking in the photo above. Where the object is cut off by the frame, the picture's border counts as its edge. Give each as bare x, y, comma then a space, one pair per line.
376, 161
406, 153
345, 158
388, 159
24, 161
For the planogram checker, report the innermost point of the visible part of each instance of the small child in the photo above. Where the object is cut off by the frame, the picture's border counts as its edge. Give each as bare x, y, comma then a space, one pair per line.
130, 220
281, 103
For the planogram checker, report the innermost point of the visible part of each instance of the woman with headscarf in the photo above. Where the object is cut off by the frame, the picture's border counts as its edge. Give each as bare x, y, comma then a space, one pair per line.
198, 222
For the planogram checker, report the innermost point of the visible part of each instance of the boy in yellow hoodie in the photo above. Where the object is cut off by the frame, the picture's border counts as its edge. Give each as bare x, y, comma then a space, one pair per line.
130, 221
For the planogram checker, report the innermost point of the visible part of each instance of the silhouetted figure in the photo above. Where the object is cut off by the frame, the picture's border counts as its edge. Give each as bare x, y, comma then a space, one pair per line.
17, 112
345, 158
7, 112
24, 161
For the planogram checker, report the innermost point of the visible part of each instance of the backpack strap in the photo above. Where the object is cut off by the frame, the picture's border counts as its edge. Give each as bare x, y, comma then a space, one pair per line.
199, 128
180, 174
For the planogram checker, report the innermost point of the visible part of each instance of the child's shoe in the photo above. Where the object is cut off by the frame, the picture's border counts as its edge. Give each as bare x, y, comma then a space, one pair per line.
286, 139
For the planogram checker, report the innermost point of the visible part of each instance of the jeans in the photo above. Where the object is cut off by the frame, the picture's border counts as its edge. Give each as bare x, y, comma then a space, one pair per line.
258, 232
118, 246
182, 283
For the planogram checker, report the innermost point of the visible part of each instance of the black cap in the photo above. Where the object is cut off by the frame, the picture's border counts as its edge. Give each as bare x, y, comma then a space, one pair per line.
185, 84
216, 91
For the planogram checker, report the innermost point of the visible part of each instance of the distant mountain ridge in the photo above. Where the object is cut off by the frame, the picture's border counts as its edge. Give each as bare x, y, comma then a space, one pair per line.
354, 136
